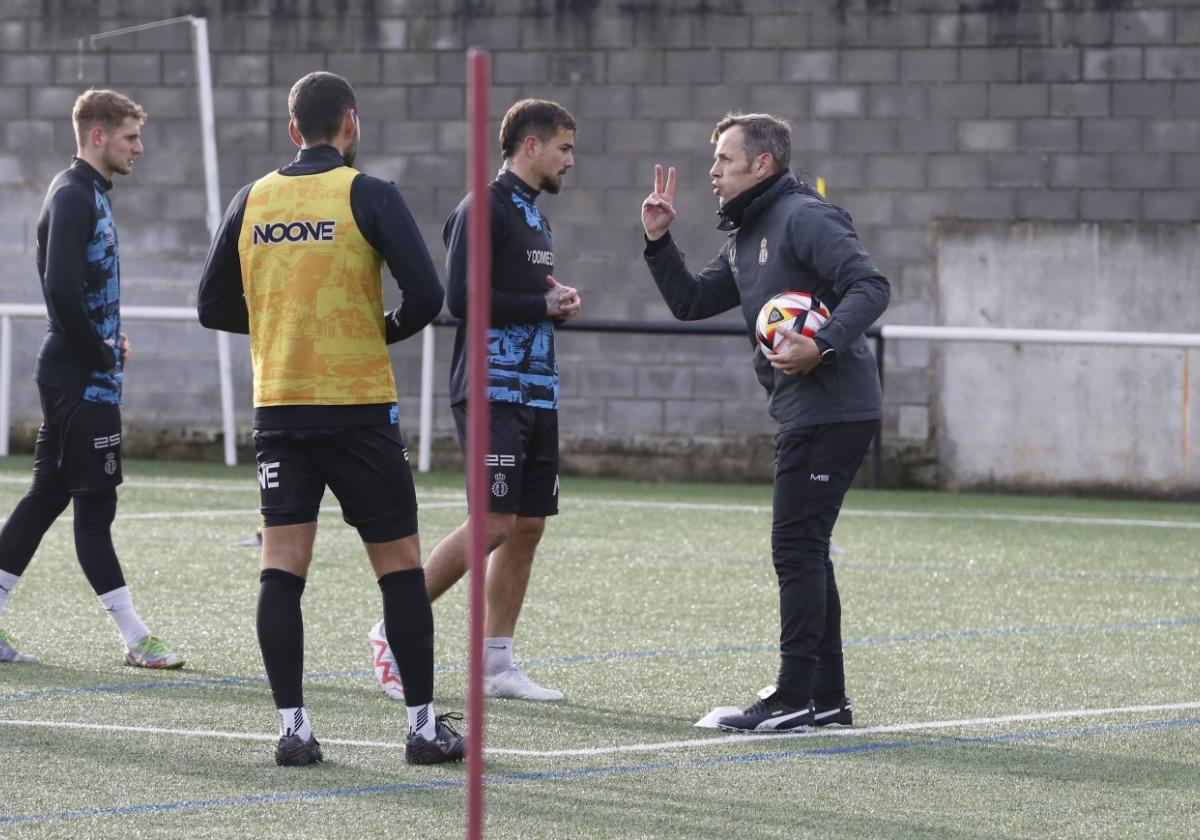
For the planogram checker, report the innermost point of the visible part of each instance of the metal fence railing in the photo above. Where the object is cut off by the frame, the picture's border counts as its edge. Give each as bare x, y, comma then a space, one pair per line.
879, 334
10, 311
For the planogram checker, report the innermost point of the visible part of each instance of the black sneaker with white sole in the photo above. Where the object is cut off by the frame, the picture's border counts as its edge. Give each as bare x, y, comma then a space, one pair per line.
840, 715
292, 751
445, 746
769, 714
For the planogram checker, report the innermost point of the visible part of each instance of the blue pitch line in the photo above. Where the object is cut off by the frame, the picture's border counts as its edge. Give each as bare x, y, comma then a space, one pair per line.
1118, 577
1152, 624
201, 682
600, 772
574, 659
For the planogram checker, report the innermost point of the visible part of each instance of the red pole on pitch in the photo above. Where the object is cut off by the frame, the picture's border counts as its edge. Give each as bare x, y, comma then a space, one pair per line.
479, 316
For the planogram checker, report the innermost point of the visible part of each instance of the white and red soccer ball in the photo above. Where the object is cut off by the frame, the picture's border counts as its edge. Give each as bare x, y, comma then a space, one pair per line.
798, 311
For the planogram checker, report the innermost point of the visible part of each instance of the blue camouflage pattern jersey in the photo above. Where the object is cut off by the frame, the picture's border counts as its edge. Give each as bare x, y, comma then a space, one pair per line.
521, 363
79, 266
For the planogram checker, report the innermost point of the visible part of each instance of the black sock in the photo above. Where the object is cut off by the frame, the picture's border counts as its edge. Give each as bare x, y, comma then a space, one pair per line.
408, 618
28, 523
281, 635
829, 699
792, 698
94, 514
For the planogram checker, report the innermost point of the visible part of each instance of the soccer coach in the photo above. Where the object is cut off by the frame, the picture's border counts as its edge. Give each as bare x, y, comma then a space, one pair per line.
823, 392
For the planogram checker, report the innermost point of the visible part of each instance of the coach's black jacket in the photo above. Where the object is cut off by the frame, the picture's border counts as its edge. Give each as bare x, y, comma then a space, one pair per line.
787, 239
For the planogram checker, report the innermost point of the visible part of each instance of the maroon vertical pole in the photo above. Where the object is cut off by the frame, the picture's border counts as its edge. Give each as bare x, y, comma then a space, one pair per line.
479, 316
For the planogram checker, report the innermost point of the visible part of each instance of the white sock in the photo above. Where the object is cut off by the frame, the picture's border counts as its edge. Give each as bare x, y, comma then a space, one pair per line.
295, 722
8, 582
119, 604
420, 720
497, 655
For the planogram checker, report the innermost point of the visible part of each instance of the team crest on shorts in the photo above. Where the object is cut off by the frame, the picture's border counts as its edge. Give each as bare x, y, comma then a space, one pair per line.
499, 486
762, 252
110, 463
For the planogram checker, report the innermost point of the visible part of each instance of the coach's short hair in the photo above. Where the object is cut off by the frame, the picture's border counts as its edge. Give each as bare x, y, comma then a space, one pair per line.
763, 133
105, 108
318, 102
539, 117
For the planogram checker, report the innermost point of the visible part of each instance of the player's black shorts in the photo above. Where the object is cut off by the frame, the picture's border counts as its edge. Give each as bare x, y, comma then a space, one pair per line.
522, 459
79, 442
366, 467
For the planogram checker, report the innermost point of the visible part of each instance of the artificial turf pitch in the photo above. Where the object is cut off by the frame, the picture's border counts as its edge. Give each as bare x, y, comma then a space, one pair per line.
1020, 667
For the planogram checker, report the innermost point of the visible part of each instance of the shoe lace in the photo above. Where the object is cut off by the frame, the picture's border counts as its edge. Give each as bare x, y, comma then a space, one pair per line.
757, 707
6, 638
151, 646
441, 722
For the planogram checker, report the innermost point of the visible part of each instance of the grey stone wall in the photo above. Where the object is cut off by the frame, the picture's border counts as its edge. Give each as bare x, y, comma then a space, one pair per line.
1083, 418
914, 111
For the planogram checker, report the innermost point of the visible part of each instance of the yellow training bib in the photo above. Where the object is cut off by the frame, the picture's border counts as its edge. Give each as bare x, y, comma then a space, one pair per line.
312, 285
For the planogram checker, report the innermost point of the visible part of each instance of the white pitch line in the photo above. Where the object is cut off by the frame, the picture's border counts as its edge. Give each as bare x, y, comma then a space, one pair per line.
456, 499
661, 746
692, 743
900, 514
720, 507
189, 514
201, 514
1026, 517
148, 730
222, 486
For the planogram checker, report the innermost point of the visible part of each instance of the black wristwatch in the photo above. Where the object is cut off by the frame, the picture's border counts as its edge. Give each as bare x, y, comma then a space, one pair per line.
828, 354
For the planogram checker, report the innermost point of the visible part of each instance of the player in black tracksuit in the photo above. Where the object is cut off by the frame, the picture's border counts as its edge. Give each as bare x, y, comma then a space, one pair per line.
536, 139
824, 393
79, 370
522, 369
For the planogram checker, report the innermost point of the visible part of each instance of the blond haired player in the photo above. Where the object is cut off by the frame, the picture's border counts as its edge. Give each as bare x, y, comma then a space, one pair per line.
77, 457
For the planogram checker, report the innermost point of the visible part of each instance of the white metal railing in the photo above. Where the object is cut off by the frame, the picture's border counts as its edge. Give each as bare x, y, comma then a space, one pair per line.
9, 311
1101, 338
1022, 336
425, 441
883, 333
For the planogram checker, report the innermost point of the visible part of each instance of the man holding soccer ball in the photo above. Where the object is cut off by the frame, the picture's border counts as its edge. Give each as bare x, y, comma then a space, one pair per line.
785, 241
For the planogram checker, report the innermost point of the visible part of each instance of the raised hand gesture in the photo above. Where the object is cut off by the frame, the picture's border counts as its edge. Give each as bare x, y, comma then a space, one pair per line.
658, 210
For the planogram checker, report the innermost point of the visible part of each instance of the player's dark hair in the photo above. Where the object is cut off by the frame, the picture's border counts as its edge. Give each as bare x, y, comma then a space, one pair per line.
318, 102
539, 117
763, 133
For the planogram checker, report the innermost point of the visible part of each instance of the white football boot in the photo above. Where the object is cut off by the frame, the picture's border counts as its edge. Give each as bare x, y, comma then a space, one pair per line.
514, 685
387, 674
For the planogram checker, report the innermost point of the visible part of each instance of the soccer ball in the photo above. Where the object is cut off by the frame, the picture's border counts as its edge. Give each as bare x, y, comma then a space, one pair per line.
798, 311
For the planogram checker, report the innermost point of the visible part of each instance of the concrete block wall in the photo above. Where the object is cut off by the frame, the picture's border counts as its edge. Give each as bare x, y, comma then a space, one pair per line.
914, 111
1069, 417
